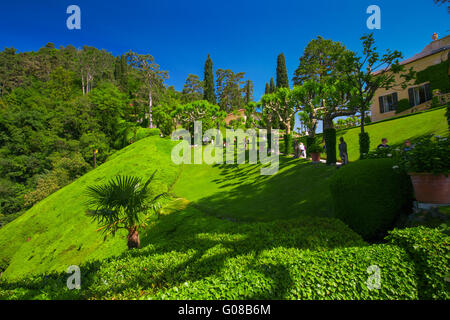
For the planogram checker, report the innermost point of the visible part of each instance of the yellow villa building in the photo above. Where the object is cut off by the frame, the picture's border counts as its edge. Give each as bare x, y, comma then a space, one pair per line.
419, 95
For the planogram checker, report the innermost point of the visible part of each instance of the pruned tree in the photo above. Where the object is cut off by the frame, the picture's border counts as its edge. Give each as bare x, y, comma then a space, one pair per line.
365, 74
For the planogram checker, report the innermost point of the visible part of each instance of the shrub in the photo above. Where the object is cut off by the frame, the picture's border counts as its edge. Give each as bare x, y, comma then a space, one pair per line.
369, 195
288, 141
330, 142
310, 141
402, 105
429, 155
364, 144
430, 251
193, 256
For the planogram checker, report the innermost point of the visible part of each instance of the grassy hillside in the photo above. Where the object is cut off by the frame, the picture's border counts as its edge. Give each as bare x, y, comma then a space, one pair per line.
241, 193
56, 232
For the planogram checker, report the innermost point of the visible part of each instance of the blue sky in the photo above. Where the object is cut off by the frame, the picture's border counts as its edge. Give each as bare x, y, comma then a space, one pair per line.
240, 35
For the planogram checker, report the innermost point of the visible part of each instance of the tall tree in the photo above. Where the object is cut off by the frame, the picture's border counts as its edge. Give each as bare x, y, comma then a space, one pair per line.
229, 89
272, 87
150, 73
282, 75
267, 89
193, 89
248, 92
318, 61
208, 80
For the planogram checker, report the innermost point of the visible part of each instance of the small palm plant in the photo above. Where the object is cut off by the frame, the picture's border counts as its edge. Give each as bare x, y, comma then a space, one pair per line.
123, 203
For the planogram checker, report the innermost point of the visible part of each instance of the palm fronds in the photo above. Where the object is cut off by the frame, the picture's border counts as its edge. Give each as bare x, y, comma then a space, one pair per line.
121, 203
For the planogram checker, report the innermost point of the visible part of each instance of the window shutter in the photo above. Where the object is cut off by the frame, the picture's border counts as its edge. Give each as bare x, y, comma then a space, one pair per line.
428, 93
380, 99
394, 101
411, 97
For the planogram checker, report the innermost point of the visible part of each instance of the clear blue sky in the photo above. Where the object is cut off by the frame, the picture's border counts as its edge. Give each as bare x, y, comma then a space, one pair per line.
240, 35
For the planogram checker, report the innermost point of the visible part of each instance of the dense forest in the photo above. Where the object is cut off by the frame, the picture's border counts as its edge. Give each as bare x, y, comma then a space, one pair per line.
64, 111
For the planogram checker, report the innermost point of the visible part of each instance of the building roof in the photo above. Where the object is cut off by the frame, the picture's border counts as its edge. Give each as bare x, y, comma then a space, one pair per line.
432, 48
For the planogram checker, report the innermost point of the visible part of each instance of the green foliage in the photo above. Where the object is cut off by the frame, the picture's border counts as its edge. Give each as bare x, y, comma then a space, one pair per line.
429, 155
208, 81
282, 76
437, 76
330, 141
208, 258
368, 195
311, 143
288, 144
402, 105
190, 255
364, 144
122, 202
430, 251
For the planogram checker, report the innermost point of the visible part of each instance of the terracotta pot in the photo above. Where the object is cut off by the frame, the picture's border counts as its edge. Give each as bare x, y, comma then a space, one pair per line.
431, 188
315, 156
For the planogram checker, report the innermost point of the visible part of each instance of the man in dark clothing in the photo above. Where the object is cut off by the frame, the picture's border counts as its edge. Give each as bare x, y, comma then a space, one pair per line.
343, 151
383, 144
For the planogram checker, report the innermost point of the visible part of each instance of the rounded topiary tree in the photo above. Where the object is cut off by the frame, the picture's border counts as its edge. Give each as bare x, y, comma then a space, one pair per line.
369, 195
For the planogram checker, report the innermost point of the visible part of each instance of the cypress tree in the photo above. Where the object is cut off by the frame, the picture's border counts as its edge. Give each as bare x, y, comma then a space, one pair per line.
272, 86
282, 76
209, 94
267, 90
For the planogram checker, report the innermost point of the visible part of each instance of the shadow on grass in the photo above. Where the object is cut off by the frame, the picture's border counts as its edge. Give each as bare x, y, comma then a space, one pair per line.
298, 188
190, 247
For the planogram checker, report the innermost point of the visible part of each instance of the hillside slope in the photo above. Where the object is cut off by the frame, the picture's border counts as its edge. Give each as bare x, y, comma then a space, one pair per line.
396, 131
57, 232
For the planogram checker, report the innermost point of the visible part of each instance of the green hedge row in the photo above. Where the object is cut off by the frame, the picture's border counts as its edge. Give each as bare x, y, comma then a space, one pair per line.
279, 260
430, 251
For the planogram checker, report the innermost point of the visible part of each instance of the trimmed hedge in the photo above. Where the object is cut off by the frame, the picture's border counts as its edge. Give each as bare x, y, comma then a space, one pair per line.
288, 144
278, 260
364, 144
430, 251
369, 195
330, 141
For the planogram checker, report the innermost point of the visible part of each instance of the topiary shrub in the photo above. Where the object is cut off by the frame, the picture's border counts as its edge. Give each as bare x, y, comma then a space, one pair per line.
402, 105
369, 196
288, 147
364, 144
330, 142
430, 251
310, 141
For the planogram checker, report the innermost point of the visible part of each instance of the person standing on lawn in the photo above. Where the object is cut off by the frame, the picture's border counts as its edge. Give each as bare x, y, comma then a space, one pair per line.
302, 150
343, 151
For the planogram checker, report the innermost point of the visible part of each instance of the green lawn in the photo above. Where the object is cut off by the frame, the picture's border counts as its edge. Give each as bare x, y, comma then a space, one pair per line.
241, 193
396, 131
